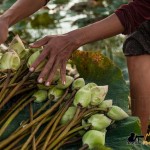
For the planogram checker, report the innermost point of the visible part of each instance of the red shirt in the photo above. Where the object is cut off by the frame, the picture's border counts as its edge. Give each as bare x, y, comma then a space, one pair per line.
133, 14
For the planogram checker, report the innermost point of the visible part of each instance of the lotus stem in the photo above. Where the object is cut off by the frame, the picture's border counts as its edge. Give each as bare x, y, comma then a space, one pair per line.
14, 107
84, 147
67, 104
31, 119
32, 135
6, 83
10, 119
12, 93
48, 112
63, 134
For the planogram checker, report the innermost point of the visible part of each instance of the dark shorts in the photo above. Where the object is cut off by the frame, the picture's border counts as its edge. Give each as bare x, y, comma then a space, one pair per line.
138, 43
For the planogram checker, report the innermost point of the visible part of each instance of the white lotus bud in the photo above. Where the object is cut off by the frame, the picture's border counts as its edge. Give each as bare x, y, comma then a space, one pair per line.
33, 58
55, 93
68, 116
116, 113
99, 122
69, 81
94, 139
10, 61
98, 94
18, 46
83, 97
105, 104
78, 83
40, 96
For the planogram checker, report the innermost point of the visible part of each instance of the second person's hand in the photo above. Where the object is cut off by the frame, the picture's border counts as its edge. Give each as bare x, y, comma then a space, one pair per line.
58, 50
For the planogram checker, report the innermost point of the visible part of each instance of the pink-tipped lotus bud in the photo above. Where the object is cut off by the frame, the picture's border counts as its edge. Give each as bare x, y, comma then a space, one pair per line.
68, 116
40, 96
55, 93
94, 139
78, 83
98, 94
116, 113
99, 122
69, 81
10, 61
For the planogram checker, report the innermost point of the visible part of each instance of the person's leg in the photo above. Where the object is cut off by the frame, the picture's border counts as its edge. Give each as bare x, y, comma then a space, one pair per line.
139, 74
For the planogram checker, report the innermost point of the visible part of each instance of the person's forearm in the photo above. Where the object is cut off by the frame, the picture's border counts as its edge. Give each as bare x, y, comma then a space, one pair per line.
22, 9
105, 28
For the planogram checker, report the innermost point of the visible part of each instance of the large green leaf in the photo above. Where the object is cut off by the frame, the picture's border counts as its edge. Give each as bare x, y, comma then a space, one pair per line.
118, 135
95, 67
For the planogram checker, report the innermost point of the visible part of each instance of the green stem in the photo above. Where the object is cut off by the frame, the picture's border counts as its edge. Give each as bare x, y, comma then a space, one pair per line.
62, 112
49, 125
47, 128
84, 147
63, 134
14, 143
25, 90
32, 135
48, 112
14, 107
5, 84
36, 114
10, 119
12, 93
31, 119
63, 141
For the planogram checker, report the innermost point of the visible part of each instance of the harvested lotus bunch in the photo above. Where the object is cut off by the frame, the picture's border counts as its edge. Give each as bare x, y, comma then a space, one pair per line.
67, 114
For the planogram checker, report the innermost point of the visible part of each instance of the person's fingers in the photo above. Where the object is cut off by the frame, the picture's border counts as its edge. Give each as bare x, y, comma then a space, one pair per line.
42, 56
63, 72
43, 75
40, 42
52, 72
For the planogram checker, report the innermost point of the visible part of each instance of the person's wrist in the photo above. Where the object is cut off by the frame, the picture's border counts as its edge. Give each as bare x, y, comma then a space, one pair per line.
77, 37
6, 20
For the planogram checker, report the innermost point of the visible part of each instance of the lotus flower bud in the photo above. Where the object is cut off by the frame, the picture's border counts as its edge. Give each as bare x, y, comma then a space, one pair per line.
10, 61
55, 93
18, 47
1, 54
106, 104
94, 139
78, 83
83, 97
90, 85
116, 113
40, 96
56, 76
32, 59
43, 87
98, 94
99, 122
68, 116
69, 81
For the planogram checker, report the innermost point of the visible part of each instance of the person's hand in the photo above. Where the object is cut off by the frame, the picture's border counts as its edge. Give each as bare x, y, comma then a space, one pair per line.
3, 30
58, 50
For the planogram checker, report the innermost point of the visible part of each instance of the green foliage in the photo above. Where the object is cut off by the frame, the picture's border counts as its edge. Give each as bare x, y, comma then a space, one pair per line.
95, 67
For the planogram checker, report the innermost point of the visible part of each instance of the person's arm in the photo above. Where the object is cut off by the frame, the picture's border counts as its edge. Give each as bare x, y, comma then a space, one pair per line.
134, 14
59, 48
20, 10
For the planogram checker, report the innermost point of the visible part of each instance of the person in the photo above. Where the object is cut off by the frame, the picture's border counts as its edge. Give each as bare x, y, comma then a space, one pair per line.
58, 48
